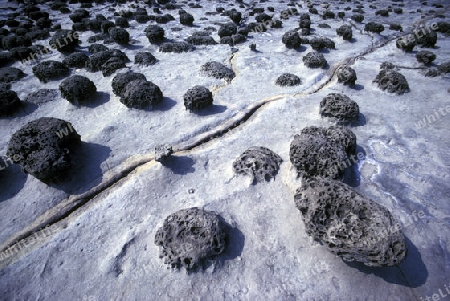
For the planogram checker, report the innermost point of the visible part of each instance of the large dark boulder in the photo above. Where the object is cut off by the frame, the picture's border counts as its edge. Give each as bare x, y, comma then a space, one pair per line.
201, 40
349, 224
392, 81
154, 34
227, 29
107, 61
314, 60
9, 101
345, 31
260, 163
186, 18
340, 108
145, 58
119, 35
426, 38
121, 80
319, 43
64, 40
197, 98
319, 151
425, 57
140, 94
10, 74
406, 43
346, 75
42, 96
217, 70
42, 148
75, 60
50, 70
190, 236
77, 89
291, 39
374, 27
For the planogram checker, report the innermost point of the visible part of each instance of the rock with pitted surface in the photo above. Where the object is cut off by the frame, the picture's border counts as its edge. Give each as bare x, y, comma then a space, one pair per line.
217, 70
288, 79
50, 70
349, 224
392, 81
314, 60
197, 98
340, 108
77, 89
346, 75
141, 94
190, 236
9, 101
121, 80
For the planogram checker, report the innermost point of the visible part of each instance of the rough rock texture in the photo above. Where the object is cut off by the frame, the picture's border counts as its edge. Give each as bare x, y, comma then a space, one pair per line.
259, 162
201, 40
374, 27
357, 18
107, 61
190, 236
318, 43
392, 81
288, 79
233, 39
425, 57
339, 107
162, 152
145, 58
227, 29
43, 147
197, 98
140, 94
64, 40
186, 18
94, 48
75, 60
176, 47
217, 70
42, 96
345, 31
77, 89
291, 39
10, 74
406, 43
444, 67
49, 70
9, 102
346, 75
314, 60
426, 38
349, 224
121, 80
319, 151
154, 34
119, 35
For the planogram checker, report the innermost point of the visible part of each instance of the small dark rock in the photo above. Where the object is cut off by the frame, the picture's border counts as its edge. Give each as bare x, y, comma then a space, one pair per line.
145, 59
10, 74
392, 81
75, 60
77, 89
50, 70
121, 80
119, 35
345, 31
9, 102
288, 79
140, 94
425, 57
374, 27
291, 39
314, 60
154, 33
340, 108
346, 75
176, 47
197, 98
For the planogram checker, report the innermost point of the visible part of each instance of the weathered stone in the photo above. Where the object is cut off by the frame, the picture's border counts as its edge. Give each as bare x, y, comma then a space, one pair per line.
288, 79
140, 94
346, 75
197, 98
340, 108
392, 81
50, 70
349, 224
217, 70
77, 89
314, 60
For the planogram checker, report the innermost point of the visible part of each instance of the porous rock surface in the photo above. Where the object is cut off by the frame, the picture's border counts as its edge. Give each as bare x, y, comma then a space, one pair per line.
107, 61
349, 224
346, 75
392, 81
425, 57
189, 236
314, 60
374, 27
41, 151
140, 94
176, 47
320, 151
197, 98
217, 70
121, 80
291, 39
10, 74
9, 101
42, 96
340, 108
49, 70
154, 33
64, 40
145, 58
259, 162
77, 89
345, 31
75, 60
318, 43
288, 79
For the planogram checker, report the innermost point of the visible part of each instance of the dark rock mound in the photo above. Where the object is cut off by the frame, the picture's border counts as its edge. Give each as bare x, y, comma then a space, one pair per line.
314, 60
260, 163
340, 108
425, 57
186, 18
291, 39
358, 18
176, 47
374, 27
9, 102
145, 58
349, 224
43, 148
382, 12
217, 70
42, 96
190, 236
426, 38
77, 89
395, 26
392, 81
140, 94
318, 43
154, 34
346, 75
197, 98
288, 79
119, 35
6, 59
94, 48
406, 43
345, 31
49, 70
233, 39
201, 40
320, 151
64, 40
10, 74
121, 80
107, 61
227, 29
444, 68
75, 60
